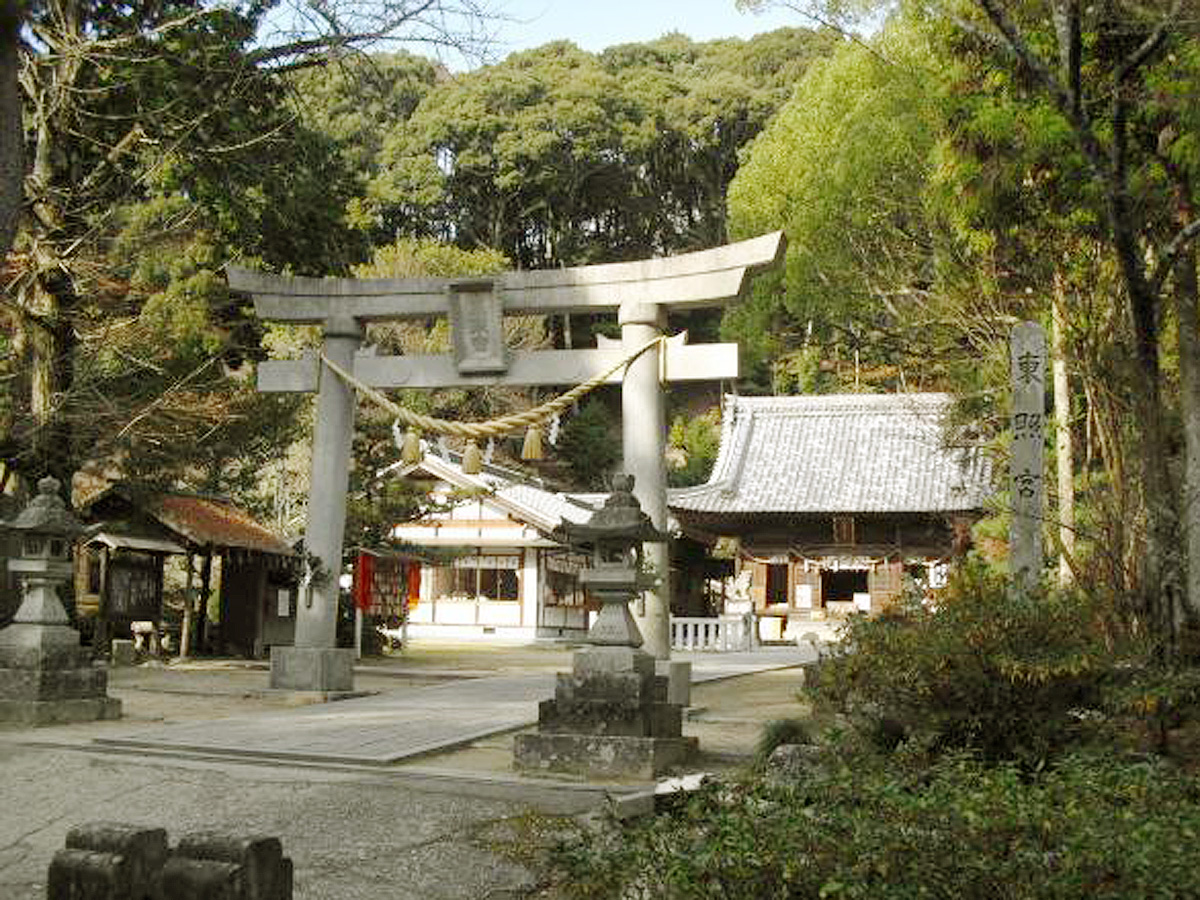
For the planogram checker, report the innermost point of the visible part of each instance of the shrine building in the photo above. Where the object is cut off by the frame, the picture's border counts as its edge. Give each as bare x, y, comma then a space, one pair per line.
833, 500
491, 568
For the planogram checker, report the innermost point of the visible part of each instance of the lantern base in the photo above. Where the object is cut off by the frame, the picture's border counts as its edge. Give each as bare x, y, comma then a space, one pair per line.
602, 755
59, 712
46, 681
41, 636
611, 717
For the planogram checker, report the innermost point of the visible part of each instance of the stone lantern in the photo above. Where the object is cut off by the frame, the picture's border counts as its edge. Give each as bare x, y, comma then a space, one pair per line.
45, 675
610, 716
615, 535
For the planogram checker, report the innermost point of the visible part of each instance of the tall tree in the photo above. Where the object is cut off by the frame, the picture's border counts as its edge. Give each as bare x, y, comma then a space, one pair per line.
1070, 129
116, 102
561, 157
843, 168
1102, 76
12, 141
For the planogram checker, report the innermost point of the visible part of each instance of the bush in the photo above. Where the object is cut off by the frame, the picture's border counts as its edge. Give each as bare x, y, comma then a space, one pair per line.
1086, 827
1002, 674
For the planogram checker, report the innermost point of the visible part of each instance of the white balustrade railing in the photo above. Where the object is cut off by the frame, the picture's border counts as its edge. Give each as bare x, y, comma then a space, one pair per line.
712, 633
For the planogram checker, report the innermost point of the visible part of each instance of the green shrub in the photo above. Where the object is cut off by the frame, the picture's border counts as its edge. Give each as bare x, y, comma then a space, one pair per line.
1086, 827
1002, 674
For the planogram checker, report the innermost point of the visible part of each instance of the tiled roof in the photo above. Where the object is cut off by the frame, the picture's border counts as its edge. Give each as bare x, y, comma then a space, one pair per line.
526, 502
841, 453
206, 520
551, 508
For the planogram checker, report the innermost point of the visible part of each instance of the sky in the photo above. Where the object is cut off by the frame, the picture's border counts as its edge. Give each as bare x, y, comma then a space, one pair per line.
596, 24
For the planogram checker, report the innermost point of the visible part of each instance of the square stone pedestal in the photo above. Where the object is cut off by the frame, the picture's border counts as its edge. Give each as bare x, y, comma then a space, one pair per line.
324, 669
49, 686
610, 717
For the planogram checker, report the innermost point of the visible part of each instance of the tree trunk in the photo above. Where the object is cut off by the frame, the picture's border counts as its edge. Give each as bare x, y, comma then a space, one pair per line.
1161, 571
12, 142
50, 342
1187, 310
1063, 443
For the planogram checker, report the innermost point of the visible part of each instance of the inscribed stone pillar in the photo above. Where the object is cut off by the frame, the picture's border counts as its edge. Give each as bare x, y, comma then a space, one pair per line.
644, 444
1028, 359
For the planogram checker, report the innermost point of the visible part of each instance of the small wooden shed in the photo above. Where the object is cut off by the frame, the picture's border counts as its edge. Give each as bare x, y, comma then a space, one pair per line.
132, 530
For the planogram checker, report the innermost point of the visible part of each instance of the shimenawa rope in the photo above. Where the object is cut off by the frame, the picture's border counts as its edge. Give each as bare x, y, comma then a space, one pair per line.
530, 419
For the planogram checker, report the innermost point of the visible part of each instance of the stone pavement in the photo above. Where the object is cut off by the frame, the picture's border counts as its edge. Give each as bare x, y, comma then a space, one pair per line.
446, 818
397, 725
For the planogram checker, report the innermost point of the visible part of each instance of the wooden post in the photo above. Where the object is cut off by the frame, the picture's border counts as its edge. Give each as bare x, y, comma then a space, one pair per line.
185, 631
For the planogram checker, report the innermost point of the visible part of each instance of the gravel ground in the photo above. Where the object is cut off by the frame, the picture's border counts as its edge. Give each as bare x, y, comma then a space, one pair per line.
456, 825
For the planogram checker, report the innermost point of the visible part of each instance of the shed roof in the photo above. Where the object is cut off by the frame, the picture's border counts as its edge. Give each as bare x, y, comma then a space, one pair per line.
208, 520
838, 453
200, 520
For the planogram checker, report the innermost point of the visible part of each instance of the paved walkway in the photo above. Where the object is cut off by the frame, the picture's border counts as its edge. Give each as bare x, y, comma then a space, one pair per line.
398, 725
457, 824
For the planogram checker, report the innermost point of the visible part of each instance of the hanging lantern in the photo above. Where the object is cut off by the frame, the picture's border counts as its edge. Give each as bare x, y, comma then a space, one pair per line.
472, 460
532, 448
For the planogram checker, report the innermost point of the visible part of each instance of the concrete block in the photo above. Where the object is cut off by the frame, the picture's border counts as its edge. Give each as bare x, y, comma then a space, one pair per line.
267, 874
596, 660
143, 849
57, 657
52, 684
606, 756
114, 861
89, 875
200, 879
312, 669
630, 687
57, 712
593, 717
679, 682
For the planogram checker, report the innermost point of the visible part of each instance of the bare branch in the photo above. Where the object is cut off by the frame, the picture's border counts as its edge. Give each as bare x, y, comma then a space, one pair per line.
1149, 47
1171, 252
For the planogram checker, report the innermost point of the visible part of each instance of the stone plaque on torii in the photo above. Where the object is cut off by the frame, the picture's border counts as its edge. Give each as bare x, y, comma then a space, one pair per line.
641, 293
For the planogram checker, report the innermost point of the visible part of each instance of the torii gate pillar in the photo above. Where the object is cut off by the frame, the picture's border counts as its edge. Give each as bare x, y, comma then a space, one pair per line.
644, 445
314, 662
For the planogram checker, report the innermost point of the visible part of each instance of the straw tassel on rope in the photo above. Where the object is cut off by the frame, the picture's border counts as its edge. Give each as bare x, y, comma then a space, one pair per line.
410, 453
532, 448
472, 460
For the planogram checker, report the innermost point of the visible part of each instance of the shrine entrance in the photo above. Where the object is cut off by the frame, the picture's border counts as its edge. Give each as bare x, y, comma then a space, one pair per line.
640, 293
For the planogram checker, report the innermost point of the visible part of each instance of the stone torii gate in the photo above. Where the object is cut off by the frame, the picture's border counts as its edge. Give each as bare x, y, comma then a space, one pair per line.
642, 293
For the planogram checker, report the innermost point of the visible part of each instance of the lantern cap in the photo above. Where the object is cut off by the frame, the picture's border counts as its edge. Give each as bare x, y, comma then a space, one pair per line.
620, 520
47, 513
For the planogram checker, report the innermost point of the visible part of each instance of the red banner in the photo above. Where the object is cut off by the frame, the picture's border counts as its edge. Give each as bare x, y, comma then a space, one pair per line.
382, 584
